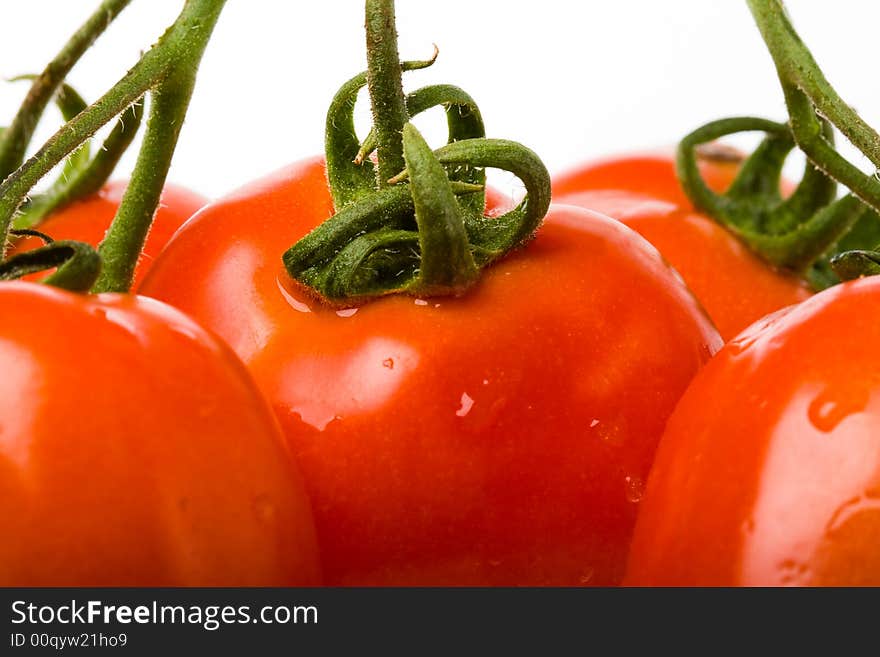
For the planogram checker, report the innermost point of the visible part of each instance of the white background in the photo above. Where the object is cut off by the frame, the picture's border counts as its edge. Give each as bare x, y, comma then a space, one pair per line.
572, 79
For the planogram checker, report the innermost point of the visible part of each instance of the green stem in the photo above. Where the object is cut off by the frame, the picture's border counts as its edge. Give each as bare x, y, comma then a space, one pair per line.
15, 139
90, 178
128, 232
349, 175
420, 230
807, 93
16, 186
174, 59
386, 88
83, 176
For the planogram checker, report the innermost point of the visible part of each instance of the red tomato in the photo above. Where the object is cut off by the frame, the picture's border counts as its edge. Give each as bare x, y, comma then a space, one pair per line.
88, 219
651, 174
497, 438
769, 472
734, 285
135, 450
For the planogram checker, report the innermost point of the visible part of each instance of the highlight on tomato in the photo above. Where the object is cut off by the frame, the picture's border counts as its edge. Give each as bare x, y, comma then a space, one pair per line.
136, 451
768, 472
750, 249
649, 174
472, 400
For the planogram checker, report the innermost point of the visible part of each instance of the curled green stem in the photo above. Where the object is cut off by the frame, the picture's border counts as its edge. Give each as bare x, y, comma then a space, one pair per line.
350, 176
792, 232
380, 244
76, 264
419, 229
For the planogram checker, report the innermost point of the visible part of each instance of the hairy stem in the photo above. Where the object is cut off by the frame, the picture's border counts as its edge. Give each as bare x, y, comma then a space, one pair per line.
15, 139
386, 88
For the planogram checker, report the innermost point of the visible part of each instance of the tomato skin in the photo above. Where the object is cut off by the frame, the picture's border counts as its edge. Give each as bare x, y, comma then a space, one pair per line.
734, 285
88, 219
136, 451
496, 438
650, 174
769, 472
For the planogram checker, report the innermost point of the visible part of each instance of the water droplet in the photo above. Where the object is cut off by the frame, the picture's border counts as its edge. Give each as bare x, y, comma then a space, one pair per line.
295, 303
389, 363
856, 506
346, 312
421, 302
485, 382
793, 573
826, 412
635, 488
99, 312
594, 423
467, 404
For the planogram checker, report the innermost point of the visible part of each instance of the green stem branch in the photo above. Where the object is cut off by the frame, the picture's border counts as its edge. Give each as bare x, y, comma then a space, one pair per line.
169, 67
808, 93
386, 88
128, 232
15, 139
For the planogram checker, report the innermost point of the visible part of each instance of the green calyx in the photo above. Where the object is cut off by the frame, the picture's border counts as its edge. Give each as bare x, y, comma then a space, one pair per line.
793, 233
417, 237
411, 219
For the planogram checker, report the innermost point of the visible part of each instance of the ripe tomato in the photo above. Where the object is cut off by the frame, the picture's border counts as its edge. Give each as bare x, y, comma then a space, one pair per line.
650, 174
135, 450
734, 285
769, 472
496, 438
88, 219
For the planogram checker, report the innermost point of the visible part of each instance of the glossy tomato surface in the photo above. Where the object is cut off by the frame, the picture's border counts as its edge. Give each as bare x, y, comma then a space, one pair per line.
734, 285
497, 438
88, 219
135, 450
651, 174
769, 472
